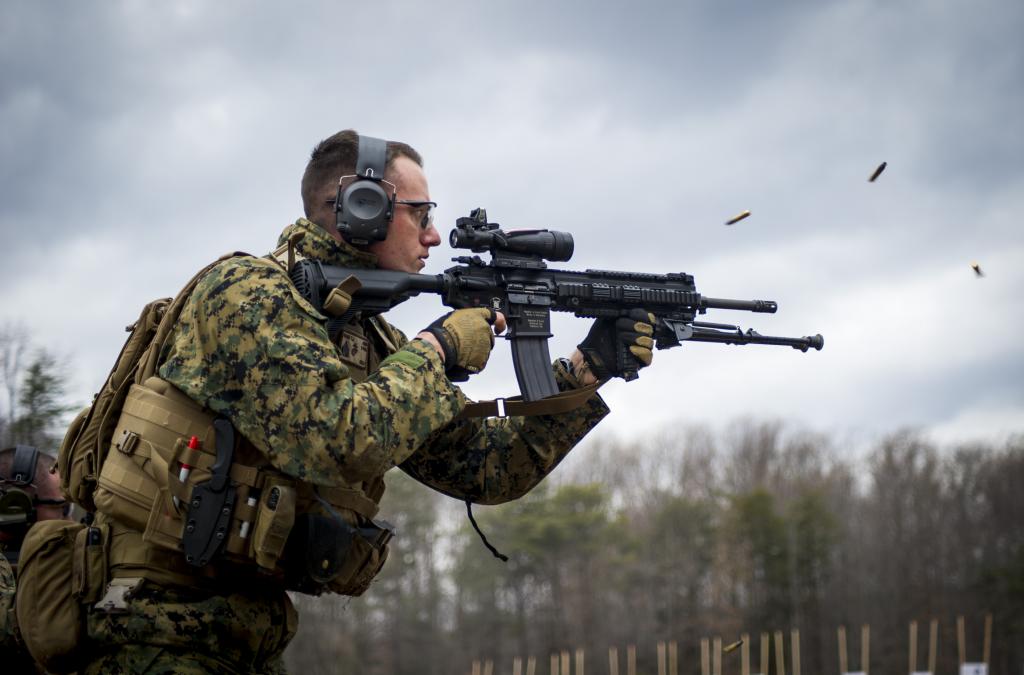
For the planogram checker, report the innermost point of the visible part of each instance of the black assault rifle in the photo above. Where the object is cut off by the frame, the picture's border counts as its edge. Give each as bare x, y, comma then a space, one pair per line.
517, 282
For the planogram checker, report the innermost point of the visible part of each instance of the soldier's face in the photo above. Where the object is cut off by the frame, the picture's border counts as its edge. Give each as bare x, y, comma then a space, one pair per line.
408, 244
48, 487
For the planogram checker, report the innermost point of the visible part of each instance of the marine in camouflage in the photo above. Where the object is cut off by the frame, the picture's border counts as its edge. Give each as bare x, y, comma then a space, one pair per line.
340, 413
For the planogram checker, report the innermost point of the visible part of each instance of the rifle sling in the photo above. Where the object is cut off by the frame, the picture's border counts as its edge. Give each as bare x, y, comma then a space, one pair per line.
516, 407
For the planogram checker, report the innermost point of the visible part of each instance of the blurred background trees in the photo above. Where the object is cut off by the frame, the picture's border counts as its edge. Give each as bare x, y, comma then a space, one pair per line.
691, 534
33, 408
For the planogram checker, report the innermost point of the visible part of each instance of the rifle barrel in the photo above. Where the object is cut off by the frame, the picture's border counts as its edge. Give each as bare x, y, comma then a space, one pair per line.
759, 306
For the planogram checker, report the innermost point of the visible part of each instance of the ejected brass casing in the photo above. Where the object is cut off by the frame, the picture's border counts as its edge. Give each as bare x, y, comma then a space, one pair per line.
737, 218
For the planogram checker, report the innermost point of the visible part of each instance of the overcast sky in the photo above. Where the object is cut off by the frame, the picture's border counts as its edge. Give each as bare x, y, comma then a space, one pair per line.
140, 140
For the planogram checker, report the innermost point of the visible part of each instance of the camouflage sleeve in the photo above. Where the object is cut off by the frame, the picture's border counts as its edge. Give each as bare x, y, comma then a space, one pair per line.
494, 460
8, 621
248, 346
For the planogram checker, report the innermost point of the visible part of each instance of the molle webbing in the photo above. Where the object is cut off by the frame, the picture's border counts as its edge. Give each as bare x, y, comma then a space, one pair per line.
162, 404
139, 490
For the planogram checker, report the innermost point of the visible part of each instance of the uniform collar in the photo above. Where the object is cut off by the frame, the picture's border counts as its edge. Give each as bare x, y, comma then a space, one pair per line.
317, 244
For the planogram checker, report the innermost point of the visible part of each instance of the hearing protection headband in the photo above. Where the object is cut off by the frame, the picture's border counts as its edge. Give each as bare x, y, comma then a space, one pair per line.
363, 206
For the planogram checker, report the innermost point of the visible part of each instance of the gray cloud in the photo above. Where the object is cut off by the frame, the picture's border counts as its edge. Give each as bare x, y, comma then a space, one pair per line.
140, 141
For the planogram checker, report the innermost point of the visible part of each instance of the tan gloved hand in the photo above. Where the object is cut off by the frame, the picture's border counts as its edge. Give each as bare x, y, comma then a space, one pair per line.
466, 338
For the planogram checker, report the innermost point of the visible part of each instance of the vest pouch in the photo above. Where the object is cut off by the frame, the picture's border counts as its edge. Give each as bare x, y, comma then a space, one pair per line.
316, 553
125, 491
366, 557
147, 446
89, 570
62, 566
274, 521
325, 553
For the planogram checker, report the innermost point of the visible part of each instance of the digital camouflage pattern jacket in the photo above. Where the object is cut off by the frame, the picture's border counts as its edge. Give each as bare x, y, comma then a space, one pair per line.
249, 347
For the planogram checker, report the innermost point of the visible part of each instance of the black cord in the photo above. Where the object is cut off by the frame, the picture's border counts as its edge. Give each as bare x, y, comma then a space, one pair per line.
500, 556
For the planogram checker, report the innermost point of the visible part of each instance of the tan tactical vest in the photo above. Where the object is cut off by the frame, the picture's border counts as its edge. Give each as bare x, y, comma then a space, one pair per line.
147, 507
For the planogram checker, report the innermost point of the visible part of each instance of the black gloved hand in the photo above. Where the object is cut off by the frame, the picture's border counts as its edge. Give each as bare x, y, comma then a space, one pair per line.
629, 334
467, 338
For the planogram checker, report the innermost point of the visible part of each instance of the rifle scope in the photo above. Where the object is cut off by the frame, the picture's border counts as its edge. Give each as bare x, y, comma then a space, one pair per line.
480, 236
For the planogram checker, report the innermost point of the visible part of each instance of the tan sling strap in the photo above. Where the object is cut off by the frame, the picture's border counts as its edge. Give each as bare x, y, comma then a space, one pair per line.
512, 406
515, 407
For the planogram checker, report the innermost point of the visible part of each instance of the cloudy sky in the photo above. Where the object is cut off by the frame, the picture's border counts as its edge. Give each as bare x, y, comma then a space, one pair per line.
141, 140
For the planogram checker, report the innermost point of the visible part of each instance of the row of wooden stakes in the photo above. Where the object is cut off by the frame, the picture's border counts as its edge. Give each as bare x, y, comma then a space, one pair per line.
712, 650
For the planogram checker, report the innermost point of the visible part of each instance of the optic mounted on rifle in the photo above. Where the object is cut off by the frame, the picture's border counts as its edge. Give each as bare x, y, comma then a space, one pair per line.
520, 248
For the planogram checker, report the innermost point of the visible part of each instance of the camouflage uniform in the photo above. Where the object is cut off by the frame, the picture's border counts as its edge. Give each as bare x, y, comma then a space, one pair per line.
249, 347
8, 622
13, 655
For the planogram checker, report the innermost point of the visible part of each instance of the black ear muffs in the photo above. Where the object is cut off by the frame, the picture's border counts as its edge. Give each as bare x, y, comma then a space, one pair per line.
17, 508
364, 206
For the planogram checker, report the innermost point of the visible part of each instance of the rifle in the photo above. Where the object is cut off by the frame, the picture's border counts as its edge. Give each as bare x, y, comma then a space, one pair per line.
517, 282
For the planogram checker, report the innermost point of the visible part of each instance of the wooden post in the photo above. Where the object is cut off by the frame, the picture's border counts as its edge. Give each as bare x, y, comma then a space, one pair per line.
705, 657
613, 661
662, 659
554, 664
961, 640
631, 660
476, 667
673, 658
764, 654
794, 647
912, 660
517, 666
780, 656
565, 662
579, 661
745, 654
933, 645
531, 666
716, 656
842, 650
865, 648
488, 667
987, 645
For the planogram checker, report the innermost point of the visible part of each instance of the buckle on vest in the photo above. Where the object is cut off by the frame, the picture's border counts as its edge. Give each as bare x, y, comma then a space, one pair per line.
119, 592
126, 444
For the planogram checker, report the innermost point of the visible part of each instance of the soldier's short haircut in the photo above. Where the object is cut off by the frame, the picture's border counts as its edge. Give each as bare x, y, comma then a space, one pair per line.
335, 157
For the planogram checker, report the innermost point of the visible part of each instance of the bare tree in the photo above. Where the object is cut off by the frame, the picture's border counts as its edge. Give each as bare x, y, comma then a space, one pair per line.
13, 348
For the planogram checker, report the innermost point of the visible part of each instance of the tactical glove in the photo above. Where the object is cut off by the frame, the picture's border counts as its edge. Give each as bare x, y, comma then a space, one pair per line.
466, 338
619, 347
